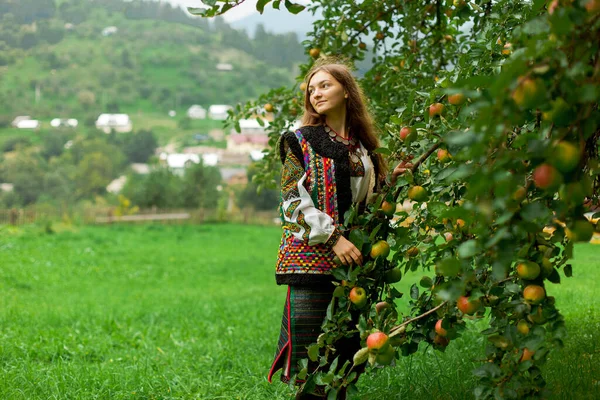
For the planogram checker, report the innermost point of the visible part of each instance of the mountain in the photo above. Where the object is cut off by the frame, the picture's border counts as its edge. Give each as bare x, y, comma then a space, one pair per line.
90, 57
277, 21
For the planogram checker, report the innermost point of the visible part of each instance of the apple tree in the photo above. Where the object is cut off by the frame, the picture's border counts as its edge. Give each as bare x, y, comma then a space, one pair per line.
498, 104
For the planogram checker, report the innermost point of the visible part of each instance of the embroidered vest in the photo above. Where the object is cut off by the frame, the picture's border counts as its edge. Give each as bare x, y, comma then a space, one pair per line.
327, 166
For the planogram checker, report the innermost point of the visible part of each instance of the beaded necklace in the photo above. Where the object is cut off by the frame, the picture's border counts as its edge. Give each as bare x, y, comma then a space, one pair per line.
336, 137
351, 143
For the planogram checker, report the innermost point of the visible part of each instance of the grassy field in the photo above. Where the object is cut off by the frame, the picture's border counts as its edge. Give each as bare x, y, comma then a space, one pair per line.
193, 312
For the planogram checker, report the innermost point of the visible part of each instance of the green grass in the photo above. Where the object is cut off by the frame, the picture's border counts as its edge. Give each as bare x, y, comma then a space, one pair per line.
193, 312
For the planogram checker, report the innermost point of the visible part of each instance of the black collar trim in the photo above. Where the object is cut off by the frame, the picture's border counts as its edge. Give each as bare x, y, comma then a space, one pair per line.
322, 144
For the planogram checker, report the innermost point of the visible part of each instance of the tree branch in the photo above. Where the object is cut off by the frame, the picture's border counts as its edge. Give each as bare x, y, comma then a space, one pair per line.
364, 28
418, 317
418, 163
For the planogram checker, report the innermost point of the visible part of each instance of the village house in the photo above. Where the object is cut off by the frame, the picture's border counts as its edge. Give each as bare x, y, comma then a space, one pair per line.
219, 111
109, 30
196, 112
116, 185
140, 168
64, 123
252, 127
178, 162
28, 124
224, 67
240, 143
234, 176
6, 187
114, 122
19, 119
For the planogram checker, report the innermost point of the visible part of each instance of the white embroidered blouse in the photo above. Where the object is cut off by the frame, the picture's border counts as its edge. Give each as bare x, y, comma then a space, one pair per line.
322, 226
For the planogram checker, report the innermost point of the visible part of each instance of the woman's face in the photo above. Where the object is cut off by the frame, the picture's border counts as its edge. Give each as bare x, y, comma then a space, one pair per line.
326, 94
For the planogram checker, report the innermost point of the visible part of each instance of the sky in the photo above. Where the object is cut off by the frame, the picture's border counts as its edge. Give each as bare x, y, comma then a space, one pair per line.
239, 12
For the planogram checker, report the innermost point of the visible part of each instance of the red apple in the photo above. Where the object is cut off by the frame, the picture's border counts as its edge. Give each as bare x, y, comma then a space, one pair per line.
438, 328
443, 156
457, 99
436, 109
467, 306
440, 340
546, 176
377, 341
405, 132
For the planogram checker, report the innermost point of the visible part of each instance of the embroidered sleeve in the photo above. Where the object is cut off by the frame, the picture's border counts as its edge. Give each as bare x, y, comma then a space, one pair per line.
301, 217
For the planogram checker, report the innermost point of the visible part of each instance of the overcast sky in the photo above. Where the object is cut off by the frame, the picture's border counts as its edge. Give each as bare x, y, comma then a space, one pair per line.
241, 11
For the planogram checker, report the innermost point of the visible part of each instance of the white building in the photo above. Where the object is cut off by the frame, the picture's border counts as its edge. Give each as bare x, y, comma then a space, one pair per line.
109, 30
257, 155
64, 123
19, 119
179, 162
196, 112
6, 187
210, 159
114, 122
224, 67
116, 185
219, 111
140, 168
252, 127
28, 124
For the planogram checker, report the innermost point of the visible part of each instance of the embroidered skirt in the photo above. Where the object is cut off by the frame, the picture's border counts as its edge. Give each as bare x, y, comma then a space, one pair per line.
303, 314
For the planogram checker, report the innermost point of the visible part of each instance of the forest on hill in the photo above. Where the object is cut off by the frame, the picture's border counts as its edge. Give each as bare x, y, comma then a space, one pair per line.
83, 57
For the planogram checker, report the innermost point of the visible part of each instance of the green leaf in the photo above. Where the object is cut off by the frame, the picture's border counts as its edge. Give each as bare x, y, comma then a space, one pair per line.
382, 150
339, 273
332, 394
357, 238
260, 5
414, 291
339, 291
468, 249
460, 139
293, 7
536, 211
302, 374
448, 267
330, 308
327, 378
313, 352
437, 208
554, 277
568, 269
374, 233
488, 370
334, 365
394, 293
446, 172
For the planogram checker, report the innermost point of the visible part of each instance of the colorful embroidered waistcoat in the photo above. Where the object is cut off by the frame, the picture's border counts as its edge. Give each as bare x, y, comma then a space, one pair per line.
327, 169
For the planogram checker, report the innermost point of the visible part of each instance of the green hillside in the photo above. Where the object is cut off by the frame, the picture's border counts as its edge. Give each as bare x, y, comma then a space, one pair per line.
55, 60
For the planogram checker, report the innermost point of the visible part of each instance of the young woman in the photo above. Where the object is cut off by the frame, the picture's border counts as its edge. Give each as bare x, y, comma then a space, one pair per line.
328, 164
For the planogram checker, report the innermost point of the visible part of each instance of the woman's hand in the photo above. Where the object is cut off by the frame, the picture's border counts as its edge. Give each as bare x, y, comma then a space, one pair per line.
347, 252
401, 168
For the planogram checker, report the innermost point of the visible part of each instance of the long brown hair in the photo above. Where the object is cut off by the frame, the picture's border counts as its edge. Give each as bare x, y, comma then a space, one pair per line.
358, 117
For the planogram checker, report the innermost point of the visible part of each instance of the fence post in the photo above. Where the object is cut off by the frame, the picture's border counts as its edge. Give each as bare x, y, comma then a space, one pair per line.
13, 216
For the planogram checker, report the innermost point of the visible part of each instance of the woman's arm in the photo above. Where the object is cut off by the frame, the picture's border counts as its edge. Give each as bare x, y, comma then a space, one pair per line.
302, 218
